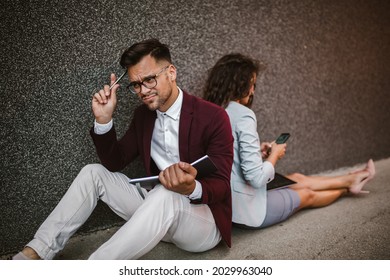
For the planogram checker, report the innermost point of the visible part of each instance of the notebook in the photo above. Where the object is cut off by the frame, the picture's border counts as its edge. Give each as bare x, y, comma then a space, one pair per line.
279, 181
204, 166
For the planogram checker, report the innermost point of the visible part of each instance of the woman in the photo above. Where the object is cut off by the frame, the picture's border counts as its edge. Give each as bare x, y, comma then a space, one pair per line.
231, 84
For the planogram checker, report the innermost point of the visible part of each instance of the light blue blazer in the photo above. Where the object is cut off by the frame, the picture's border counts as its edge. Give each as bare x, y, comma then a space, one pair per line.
249, 173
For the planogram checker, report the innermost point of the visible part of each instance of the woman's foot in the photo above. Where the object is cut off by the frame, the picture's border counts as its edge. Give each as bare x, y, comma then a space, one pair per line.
371, 169
363, 176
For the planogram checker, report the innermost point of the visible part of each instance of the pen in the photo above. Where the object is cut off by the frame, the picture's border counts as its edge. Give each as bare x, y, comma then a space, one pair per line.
117, 81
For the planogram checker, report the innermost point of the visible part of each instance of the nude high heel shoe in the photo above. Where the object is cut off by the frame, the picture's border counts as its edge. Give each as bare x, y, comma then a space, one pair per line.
357, 188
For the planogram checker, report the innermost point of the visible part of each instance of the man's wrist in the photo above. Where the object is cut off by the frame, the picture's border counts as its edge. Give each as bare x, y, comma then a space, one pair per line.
102, 128
197, 192
103, 120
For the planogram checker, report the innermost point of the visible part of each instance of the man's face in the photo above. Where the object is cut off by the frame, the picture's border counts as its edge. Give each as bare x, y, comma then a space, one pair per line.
164, 93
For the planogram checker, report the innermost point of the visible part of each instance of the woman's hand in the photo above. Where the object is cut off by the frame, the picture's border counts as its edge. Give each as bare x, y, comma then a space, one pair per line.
277, 152
265, 148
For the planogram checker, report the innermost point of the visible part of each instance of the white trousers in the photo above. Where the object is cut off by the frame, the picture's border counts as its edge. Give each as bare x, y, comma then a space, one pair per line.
162, 215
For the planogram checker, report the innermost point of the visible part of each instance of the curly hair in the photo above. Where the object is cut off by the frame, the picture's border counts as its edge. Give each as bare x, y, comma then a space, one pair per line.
230, 78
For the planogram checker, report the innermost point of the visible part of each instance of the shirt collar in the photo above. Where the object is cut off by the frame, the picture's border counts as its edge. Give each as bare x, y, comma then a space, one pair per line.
174, 111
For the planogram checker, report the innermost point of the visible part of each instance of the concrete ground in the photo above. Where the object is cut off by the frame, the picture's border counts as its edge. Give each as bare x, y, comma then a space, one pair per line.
353, 228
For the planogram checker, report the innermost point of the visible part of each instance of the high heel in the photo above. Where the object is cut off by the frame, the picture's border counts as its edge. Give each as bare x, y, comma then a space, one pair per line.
371, 169
357, 188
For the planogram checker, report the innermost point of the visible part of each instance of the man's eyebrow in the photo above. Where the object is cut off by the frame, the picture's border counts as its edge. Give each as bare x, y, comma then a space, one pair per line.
149, 76
143, 79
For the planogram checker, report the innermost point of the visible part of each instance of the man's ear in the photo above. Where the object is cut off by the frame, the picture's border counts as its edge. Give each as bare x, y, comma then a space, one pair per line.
172, 72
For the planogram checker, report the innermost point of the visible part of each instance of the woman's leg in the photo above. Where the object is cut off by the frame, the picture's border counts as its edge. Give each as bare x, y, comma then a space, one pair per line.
314, 199
282, 203
354, 182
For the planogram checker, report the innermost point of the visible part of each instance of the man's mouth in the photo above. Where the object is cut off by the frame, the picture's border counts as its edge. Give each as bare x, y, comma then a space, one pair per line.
149, 96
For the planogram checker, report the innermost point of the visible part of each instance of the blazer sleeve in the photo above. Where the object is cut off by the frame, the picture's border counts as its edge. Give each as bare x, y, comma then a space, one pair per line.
116, 154
256, 172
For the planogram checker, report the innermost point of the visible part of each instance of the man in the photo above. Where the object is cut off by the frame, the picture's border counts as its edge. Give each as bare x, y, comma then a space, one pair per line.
169, 130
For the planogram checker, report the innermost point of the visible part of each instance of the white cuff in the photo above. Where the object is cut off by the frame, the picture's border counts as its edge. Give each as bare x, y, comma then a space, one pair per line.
269, 171
102, 128
197, 193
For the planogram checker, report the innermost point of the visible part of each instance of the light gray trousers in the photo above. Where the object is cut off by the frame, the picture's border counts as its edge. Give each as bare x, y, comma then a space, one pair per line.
162, 215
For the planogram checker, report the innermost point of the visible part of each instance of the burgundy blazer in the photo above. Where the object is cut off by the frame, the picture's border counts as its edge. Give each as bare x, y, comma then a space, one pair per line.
204, 129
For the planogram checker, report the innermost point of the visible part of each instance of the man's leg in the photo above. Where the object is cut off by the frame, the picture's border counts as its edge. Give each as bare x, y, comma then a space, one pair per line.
94, 182
164, 215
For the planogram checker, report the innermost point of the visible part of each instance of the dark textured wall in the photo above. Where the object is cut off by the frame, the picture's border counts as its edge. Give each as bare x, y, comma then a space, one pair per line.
327, 84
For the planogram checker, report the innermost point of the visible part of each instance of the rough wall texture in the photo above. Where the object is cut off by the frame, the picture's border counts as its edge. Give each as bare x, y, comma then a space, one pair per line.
327, 84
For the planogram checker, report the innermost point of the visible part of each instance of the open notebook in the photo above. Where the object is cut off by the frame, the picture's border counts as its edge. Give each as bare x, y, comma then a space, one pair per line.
204, 166
279, 181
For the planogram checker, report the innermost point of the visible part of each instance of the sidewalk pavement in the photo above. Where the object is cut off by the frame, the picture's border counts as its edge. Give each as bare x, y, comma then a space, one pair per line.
353, 228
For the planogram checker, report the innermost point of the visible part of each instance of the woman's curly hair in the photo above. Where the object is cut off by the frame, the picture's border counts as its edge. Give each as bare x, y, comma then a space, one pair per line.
230, 78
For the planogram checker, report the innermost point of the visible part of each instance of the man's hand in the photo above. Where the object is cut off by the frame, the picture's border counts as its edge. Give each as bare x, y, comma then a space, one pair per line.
104, 102
179, 177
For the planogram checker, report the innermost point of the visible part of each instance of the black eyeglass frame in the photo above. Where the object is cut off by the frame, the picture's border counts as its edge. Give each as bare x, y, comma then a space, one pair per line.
136, 87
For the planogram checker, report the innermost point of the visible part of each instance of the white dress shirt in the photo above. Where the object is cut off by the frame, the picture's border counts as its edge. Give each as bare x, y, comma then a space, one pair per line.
165, 140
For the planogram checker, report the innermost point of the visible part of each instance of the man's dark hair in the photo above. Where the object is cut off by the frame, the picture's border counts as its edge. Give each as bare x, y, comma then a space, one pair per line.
151, 47
230, 78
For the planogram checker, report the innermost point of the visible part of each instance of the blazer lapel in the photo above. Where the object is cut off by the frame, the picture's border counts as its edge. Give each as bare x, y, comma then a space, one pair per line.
186, 117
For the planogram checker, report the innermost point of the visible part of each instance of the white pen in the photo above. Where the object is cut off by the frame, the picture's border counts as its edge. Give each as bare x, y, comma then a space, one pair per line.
120, 78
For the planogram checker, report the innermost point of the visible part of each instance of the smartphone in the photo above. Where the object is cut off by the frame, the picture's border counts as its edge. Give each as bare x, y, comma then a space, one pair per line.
282, 138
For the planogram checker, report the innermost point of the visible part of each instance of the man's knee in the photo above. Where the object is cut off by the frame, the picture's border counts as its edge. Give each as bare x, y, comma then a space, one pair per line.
93, 168
162, 198
88, 175
161, 193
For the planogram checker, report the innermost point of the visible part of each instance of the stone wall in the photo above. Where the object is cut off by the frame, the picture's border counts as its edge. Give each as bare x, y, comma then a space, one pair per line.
327, 84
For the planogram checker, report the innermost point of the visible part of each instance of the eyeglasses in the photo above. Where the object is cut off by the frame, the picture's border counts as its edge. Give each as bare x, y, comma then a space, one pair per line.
148, 82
